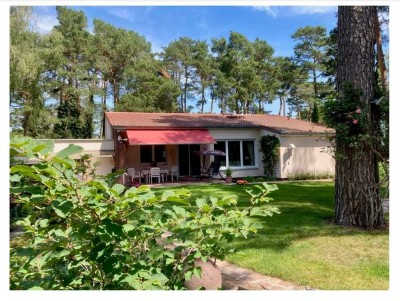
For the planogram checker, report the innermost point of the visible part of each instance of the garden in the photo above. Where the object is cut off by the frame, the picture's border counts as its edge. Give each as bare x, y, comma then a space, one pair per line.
100, 235
303, 245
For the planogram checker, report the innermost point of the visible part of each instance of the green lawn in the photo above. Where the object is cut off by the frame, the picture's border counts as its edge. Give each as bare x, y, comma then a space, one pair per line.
302, 245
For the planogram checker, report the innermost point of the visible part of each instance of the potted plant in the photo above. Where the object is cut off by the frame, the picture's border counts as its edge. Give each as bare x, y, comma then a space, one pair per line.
228, 174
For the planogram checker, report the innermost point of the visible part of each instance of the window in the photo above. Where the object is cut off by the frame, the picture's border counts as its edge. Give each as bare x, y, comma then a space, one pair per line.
248, 153
239, 153
221, 147
234, 153
160, 153
153, 153
146, 155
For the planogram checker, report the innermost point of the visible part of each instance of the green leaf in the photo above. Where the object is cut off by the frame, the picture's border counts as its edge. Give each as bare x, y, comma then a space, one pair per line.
200, 202
183, 192
159, 279
35, 288
179, 210
15, 178
270, 187
70, 150
62, 207
197, 272
256, 211
113, 228
24, 170
118, 188
60, 233
188, 275
44, 148
109, 264
131, 192
69, 163
170, 260
175, 199
128, 227
44, 223
133, 281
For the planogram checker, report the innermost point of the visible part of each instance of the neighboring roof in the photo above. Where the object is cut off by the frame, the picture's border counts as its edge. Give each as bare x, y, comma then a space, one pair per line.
274, 123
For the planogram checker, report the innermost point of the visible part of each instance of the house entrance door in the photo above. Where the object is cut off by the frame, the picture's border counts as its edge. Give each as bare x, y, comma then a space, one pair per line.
189, 163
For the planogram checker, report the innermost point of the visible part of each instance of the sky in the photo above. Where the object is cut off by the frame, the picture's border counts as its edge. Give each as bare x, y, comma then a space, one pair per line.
161, 25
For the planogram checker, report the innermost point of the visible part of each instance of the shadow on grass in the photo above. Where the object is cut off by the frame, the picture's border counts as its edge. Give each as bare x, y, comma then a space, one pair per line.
305, 214
306, 208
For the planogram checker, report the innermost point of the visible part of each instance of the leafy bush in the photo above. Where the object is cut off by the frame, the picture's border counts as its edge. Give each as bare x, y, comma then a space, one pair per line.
249, 179
269, 146
310, 175
97, 235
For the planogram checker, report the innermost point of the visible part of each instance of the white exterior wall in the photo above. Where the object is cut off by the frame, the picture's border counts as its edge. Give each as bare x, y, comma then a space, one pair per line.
107, 130
311, 153
93, 146
241, 134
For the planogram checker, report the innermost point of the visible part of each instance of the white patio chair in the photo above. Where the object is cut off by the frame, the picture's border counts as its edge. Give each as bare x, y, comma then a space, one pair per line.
155, 172
174, 172
132, 174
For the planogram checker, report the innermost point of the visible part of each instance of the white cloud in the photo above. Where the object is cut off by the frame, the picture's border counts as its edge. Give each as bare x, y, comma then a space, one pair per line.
44, 24
311, 10
272, 11
124, 14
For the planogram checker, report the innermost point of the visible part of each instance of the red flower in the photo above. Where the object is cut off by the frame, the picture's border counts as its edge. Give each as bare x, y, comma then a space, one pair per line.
355, 121
358, 111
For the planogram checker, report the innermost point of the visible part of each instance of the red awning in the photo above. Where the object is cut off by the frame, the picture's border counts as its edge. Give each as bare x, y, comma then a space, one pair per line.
169, 137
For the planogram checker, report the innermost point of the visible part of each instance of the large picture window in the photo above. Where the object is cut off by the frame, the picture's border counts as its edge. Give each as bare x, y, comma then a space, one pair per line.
239, 153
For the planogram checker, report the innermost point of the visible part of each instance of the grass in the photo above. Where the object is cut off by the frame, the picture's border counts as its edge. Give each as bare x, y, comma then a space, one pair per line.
302, 246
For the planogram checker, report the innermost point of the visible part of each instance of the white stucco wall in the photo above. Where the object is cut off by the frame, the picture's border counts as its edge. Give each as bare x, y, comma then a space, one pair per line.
107, 130
311, 153
94, 147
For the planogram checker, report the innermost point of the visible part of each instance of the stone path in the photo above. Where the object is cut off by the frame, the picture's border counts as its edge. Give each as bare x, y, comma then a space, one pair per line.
236, 278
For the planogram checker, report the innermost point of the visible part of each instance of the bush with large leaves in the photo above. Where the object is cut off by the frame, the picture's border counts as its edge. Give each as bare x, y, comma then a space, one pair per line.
97, 235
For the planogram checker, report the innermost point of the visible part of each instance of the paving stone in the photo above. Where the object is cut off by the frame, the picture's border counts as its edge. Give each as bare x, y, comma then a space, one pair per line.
235, 278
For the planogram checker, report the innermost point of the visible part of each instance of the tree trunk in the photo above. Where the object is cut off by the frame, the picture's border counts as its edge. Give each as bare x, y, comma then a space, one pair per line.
357, 191
203, 99
116, 92
281, 106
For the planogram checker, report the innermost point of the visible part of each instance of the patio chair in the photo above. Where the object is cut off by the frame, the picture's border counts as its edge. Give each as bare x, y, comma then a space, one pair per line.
213, 170
155, 172
132, 174
174, 172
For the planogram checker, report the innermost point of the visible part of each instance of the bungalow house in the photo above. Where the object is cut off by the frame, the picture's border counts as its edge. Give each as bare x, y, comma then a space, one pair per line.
140, 140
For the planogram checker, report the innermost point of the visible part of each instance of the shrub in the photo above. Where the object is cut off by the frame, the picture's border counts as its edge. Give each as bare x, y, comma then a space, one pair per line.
310, 175
249, 179
269, 146
97, 235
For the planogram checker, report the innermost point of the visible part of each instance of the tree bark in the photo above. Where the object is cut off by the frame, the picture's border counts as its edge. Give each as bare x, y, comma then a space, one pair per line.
357, 191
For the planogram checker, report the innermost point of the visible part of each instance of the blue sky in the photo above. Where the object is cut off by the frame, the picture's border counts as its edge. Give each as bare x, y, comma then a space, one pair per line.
163, 24
160, 25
